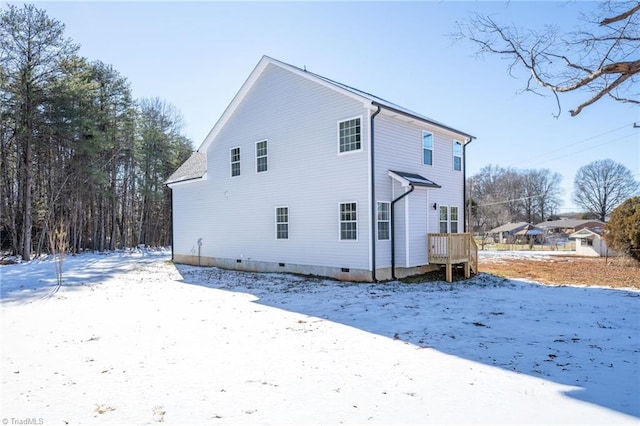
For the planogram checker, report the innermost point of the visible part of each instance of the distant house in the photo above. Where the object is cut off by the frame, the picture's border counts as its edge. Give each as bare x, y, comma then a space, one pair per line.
568, 226
518, 232
307, 175
589, 242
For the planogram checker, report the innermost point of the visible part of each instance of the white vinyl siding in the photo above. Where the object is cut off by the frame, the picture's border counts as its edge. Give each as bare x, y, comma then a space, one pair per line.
349, 135
348, 221
384, 217
282, 223
261, 156
457, 155
235, 161
235, 217
427, 148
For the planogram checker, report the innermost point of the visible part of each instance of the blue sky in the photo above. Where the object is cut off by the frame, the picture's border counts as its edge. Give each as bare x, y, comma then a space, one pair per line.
196, 55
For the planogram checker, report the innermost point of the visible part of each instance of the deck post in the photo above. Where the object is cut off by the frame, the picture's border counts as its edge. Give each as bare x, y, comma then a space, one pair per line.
449, 251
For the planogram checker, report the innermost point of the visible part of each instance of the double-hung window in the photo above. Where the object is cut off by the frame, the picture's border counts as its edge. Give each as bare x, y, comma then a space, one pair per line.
282, 223
453, 215
349, 135
457, 155
384, 218
348, 221
261, 156
427, 148
235, 162
444, 219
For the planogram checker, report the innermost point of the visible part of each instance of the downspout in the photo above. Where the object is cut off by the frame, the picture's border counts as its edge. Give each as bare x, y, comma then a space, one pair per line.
465, 208
393, 241
171, 210
374, 213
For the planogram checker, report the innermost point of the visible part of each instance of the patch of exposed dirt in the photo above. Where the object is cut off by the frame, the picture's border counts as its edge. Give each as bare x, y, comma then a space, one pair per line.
612, 272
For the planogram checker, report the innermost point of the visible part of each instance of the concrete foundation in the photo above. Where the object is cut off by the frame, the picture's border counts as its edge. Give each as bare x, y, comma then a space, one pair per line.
342, 274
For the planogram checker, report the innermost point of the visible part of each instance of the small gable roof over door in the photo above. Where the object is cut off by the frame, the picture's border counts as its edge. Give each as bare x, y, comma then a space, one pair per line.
407, 179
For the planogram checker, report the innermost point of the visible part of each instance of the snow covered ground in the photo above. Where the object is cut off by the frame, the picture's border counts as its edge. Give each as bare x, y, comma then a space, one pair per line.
132, 339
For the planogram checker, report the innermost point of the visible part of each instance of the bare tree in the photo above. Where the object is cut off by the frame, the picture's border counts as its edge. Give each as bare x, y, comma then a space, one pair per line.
601, 186
601, 58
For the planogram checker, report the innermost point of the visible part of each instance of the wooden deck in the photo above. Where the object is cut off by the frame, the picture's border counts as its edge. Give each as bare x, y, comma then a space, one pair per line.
452, 249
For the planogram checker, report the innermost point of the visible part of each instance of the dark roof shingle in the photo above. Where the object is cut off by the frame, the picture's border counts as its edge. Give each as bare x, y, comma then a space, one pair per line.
194, 168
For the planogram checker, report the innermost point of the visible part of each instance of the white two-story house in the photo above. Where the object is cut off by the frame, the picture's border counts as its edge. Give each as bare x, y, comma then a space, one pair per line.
303, 174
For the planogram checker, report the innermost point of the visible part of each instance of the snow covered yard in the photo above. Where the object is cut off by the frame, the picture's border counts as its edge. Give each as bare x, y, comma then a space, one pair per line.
132, 339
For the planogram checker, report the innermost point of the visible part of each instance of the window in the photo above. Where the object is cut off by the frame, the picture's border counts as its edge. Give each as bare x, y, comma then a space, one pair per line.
235, 162
457, 155
454, 219
384, 220
282, 223
261, 156
427, 148
444, 220
349, 135
348, 221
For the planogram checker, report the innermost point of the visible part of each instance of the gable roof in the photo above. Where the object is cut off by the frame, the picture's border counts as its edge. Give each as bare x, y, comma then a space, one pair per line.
412, 179
367, 99
568, 223
589, 232
194, 168
508, 227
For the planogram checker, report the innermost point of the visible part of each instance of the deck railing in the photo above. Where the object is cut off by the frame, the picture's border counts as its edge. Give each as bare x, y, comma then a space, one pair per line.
449, 249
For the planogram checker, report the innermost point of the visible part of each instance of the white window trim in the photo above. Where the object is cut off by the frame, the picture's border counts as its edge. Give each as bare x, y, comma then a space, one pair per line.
256, 155
457, 221
278, 223
338, 135
231, 162
340, 222
440, 221
378, 221
453, 152
433, 147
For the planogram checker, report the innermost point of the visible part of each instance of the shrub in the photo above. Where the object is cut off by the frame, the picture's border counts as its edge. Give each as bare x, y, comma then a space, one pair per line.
622, 232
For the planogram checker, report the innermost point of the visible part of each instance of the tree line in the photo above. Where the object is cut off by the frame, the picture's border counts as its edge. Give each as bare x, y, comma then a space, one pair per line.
81, 161
501, 195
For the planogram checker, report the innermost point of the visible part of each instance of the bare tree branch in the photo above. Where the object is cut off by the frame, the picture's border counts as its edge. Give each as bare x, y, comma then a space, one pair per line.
620, 17
600, 62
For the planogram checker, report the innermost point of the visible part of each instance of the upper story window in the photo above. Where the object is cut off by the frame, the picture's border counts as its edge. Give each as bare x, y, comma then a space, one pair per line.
427, 148
350, 135
261, 156
282, 223
235, 162
384, 218
348, 221
457, 155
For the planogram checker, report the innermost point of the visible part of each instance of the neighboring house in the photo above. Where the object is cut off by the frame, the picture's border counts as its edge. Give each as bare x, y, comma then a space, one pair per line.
568, 226
303, 174
589, 242
523, 232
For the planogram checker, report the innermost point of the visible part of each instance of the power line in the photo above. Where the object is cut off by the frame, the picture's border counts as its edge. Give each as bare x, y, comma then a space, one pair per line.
509, 201
591, 147
531, 159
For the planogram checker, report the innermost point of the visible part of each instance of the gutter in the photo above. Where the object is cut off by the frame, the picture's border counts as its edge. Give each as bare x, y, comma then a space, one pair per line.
425, 119
374, 212
393, 241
